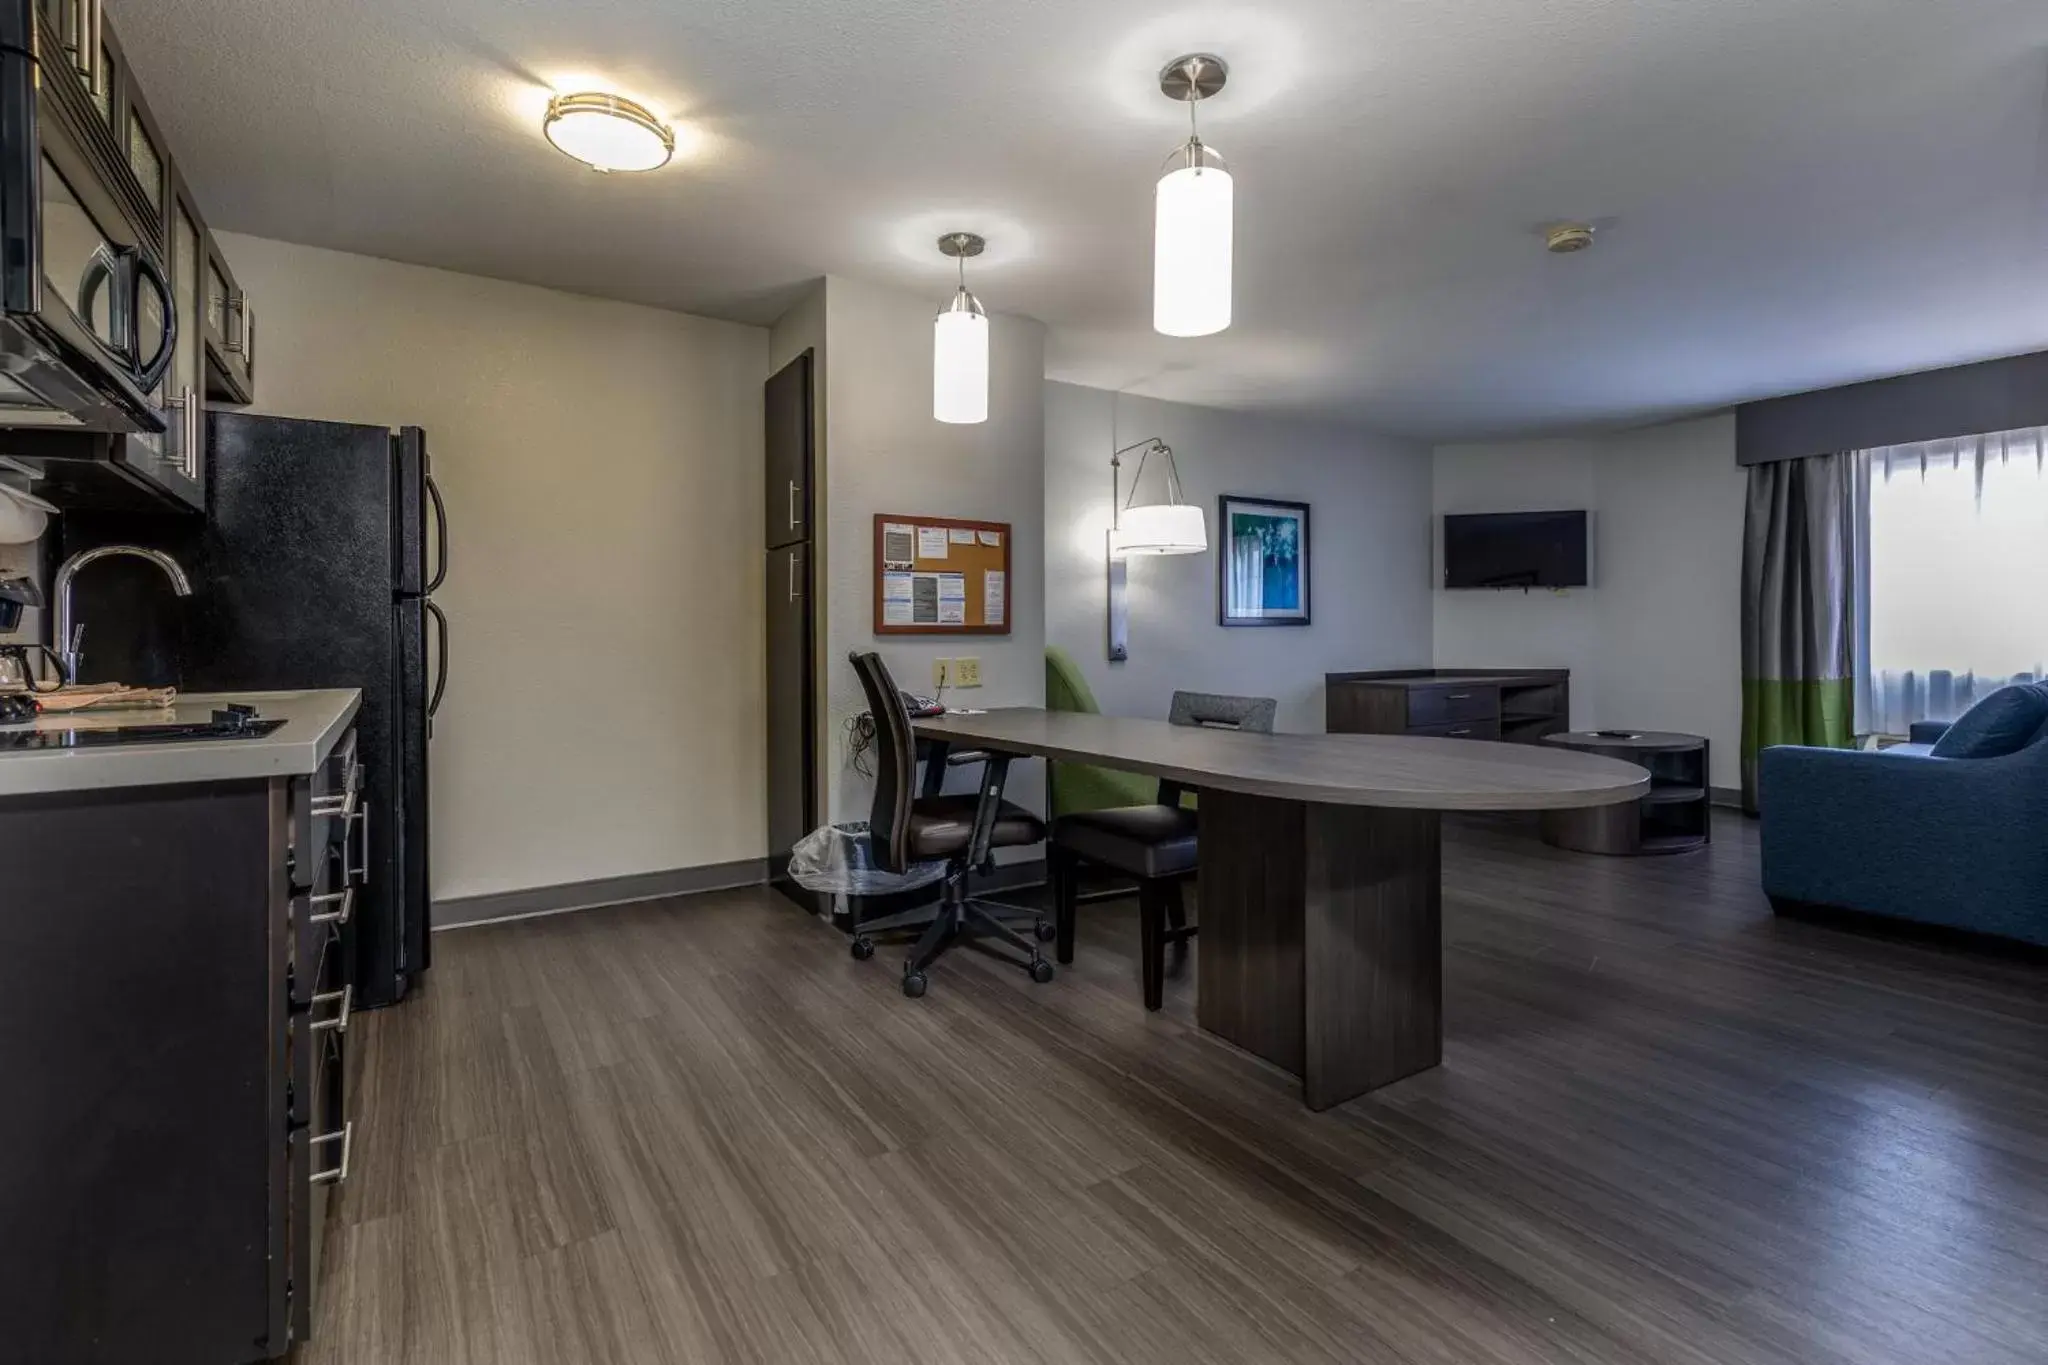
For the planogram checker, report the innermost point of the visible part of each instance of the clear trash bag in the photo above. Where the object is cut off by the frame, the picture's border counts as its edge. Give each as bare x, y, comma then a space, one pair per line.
840, 859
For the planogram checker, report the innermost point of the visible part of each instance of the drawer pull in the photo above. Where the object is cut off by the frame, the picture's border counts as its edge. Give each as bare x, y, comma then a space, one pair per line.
344, 901
346, 998
1457, 696
359, 875
342, 804
339, 1174
1463, 730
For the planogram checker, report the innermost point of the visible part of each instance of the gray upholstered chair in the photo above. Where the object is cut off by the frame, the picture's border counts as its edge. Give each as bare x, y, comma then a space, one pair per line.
1152, 844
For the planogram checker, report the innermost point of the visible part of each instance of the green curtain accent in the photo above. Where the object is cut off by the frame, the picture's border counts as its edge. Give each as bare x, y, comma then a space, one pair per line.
1076, 786
1804, 536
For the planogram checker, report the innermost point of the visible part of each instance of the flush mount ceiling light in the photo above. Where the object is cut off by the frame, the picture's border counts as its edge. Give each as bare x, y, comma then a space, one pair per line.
1566, 239
960, 344
1191, 247
608, 132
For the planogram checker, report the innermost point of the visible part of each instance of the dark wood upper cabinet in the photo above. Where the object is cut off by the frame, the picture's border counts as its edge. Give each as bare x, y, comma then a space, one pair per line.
99, 134
790, 419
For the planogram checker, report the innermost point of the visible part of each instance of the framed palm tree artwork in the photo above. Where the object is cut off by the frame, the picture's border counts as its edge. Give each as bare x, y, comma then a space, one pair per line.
1262, 574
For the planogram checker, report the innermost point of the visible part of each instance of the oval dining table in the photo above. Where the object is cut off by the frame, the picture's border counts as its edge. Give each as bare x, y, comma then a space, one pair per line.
1320, 867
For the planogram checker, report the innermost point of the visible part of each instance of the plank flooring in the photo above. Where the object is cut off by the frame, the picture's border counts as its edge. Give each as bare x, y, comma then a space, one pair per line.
1668, 1128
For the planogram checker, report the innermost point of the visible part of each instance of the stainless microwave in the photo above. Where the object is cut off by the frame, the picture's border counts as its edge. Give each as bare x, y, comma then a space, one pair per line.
88, 321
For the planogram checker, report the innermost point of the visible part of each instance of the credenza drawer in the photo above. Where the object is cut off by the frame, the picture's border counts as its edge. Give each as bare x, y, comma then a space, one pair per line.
1442, 705
1464, 729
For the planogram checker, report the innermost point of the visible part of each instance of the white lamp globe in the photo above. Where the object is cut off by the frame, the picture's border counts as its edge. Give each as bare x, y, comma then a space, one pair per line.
1192, 245
960, 362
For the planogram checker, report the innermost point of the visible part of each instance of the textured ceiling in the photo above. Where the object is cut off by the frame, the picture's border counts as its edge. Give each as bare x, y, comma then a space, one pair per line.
1795, 192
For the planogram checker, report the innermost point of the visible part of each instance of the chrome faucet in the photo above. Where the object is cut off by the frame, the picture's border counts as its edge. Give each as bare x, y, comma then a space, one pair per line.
70, 637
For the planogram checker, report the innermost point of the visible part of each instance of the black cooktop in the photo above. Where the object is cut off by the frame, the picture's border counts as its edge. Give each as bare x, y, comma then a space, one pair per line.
236, 723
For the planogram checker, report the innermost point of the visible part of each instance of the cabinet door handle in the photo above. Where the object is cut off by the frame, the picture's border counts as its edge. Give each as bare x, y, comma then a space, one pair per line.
339, 1175
1458, 696
343, 802
792, 576
793, 491
239, 317
85, 59
1461, 732
344, 900
346, 998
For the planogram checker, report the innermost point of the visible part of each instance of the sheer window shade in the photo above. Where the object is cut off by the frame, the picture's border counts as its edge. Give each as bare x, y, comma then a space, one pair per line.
1958, 574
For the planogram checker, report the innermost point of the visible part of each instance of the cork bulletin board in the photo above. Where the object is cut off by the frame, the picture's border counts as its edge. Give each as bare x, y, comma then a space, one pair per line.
941, 576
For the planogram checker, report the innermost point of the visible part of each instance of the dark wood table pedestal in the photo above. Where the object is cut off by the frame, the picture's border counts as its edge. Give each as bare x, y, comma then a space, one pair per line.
1322, 939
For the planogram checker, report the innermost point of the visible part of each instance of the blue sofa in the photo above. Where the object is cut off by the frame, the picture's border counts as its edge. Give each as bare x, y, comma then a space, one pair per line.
1950, 830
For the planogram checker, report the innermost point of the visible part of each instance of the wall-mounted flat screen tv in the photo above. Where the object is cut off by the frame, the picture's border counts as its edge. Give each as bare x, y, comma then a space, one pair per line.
1516, 550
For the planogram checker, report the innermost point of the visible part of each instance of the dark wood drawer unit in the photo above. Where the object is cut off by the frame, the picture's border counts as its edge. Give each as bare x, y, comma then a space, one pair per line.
174, 1010
1499, 704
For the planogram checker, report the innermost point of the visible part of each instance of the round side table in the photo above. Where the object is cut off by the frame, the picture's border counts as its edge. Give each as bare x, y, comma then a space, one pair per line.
1674, 818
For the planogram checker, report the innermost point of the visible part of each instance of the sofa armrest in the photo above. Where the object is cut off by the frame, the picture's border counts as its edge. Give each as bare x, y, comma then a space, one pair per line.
1947, 840
1927, 731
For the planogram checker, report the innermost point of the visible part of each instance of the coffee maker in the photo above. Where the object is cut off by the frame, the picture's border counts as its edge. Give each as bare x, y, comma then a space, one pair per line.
18, 670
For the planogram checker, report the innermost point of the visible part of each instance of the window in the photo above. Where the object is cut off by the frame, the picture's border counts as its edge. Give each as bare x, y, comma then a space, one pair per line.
1958, 574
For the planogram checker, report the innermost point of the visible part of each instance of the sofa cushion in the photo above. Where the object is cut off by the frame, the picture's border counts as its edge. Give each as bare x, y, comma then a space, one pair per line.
2004, 722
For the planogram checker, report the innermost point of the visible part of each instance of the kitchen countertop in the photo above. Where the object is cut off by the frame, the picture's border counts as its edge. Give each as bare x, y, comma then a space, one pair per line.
314, 723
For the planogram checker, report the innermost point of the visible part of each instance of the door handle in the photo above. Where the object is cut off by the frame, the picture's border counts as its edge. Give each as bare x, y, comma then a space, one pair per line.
793, 491
144, 270
440, 535
792, 576
441, 661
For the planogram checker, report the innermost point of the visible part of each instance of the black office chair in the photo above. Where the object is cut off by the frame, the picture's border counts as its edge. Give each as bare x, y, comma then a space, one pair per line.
1155, 845
961, 829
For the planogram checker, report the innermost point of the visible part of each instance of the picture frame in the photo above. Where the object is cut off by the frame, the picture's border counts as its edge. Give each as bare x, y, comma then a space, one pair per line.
1263, 563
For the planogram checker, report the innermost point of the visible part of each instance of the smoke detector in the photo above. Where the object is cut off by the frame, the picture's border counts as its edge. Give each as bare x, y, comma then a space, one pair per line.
1563, 239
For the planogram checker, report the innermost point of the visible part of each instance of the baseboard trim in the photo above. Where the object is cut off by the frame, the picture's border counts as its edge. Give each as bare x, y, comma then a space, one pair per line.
1731, 797
495, 907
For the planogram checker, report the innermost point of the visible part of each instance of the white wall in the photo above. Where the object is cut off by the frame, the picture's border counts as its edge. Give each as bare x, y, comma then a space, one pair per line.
602, 465
1369, 547
887, 454
1655, 643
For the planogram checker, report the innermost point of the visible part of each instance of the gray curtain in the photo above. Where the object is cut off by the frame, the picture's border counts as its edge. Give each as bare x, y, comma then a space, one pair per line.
1803, 616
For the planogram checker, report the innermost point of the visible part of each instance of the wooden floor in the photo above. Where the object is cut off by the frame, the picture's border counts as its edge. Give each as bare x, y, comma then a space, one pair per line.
1668, 1128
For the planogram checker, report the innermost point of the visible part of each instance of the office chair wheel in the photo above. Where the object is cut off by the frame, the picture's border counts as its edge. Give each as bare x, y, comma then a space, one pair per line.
1044, 931
863, 949
1041, 970
914, 984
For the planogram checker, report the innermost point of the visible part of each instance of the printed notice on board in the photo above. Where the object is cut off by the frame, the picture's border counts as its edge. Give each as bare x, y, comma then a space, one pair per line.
899, 545
931, 542
961, 535
924, 599
952, 599
994, 591
896, 599
991, 537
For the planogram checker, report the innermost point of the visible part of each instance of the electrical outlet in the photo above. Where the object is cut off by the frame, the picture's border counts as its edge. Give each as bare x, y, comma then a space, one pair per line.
967, 672
942, 674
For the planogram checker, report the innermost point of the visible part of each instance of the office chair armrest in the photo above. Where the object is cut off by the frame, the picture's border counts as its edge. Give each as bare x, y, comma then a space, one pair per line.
968, 756
993, 779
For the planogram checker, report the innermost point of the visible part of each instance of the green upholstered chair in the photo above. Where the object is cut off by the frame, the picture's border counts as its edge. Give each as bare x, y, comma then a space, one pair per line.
1076, 787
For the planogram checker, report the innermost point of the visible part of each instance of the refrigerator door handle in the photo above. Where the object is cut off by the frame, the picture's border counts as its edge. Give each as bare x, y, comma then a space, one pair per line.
440, 534
441, 660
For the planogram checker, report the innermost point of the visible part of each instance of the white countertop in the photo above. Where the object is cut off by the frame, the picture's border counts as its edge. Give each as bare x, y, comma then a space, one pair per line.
314, 723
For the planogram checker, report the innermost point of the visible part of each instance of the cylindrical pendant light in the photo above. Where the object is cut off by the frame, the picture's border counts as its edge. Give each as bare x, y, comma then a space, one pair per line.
1194, 212
960, 344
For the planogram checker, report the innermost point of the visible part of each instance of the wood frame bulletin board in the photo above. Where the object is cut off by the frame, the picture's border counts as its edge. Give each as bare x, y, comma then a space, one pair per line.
914, 592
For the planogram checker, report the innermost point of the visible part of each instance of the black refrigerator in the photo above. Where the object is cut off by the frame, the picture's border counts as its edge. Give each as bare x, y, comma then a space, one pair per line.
314, 567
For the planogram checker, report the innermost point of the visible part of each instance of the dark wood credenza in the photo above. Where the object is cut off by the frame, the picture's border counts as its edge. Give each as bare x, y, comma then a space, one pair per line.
1518, 706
